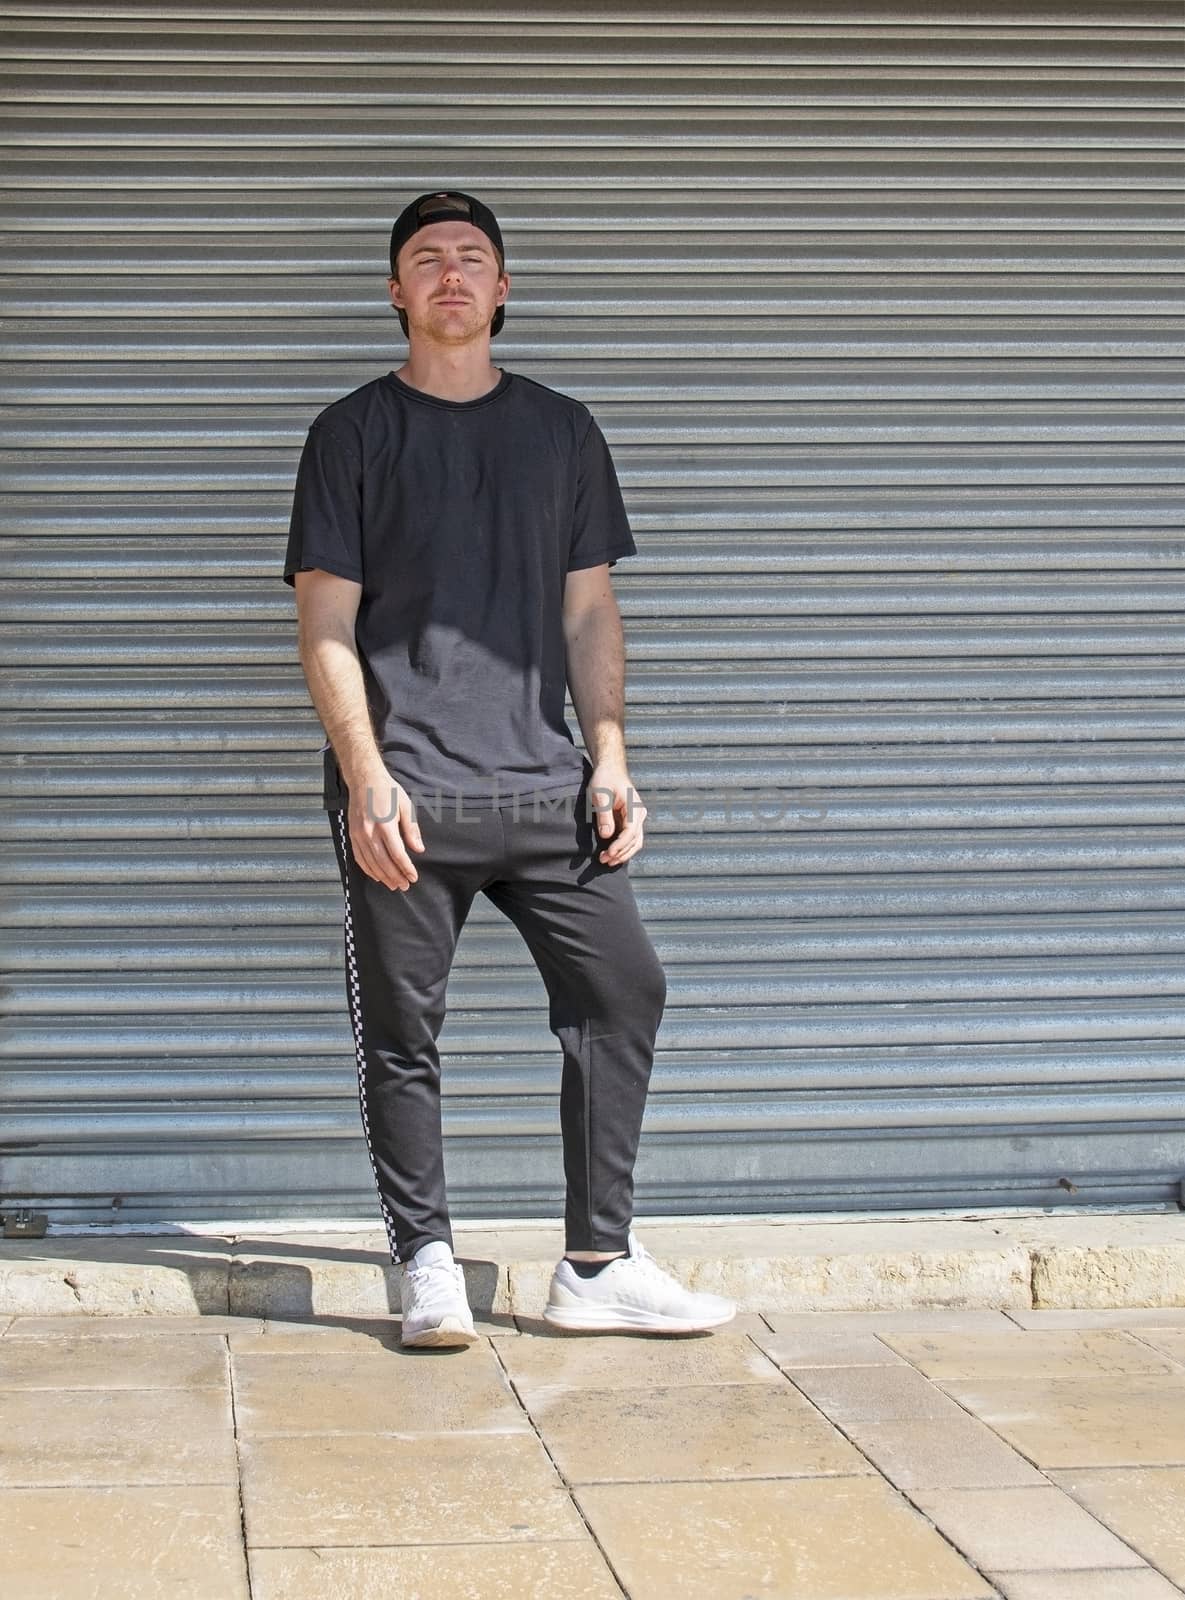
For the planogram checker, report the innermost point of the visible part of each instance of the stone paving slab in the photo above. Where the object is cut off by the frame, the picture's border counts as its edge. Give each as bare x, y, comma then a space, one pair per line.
1145, 1507
111, 1541
115, 1436
1056, 1353
275, 1338
875, 1394
78, 1361
873, 1322
1004, 1530
1169, 1342
822, 1538
569, 1569
1135, 1420
96, 1326
1113, 1585
1122, 1317
539, 1366
957, 1452
354, 1489
822, 1347
376, 1391
712, 1431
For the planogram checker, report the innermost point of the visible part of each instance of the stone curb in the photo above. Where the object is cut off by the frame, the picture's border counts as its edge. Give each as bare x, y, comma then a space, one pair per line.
1031, 1262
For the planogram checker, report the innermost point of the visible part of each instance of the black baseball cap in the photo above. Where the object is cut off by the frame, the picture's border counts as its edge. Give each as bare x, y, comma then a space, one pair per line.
447, 205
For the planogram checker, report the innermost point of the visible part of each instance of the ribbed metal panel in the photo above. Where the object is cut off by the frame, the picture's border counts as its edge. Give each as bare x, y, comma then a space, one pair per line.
879, 308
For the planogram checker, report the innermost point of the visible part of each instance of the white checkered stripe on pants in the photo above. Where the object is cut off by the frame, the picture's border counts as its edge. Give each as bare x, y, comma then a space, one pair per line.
355, 994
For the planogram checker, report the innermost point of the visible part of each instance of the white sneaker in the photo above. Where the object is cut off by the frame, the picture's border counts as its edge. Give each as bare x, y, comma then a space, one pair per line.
631, 1293
433, 1299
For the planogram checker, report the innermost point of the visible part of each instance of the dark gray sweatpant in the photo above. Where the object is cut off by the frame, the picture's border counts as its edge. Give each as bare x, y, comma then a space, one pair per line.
606, 985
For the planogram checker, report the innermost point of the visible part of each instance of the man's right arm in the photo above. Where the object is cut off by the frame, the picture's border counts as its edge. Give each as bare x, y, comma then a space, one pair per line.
381, 817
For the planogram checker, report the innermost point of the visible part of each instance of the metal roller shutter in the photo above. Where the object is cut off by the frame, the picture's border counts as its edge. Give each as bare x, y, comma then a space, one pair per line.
877, 307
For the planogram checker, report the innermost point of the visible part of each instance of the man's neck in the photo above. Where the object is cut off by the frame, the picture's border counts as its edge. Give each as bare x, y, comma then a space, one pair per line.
464, 374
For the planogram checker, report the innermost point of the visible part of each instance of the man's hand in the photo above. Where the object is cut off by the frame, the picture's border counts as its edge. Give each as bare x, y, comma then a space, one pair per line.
383, 828
618, 812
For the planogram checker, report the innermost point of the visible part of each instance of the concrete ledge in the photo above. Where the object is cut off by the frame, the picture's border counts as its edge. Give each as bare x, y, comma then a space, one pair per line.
169, 1276
1010, 1262
1102, 1263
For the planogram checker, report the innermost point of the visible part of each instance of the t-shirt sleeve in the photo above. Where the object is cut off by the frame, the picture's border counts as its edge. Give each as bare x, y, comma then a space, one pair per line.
600, 527
326, 526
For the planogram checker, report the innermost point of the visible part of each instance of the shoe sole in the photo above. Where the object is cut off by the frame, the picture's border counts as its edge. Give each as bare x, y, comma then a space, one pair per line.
595, 1319
451, 1331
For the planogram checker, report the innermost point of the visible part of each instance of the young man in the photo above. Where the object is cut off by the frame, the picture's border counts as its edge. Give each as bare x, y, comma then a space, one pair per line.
452, 532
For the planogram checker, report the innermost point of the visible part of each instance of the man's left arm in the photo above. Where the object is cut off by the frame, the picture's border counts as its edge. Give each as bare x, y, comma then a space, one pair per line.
595, 649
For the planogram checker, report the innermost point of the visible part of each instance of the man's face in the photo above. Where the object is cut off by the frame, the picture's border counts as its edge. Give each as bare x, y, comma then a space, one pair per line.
448, 283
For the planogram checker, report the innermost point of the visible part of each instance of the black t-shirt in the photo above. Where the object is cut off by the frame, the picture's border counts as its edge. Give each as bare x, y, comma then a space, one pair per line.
460, 519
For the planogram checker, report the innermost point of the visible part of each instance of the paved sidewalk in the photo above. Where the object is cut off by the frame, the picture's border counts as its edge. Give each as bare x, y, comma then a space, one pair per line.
940, 1454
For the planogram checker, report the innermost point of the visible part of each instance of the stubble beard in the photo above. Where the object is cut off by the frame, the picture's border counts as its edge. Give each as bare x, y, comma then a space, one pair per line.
453, 325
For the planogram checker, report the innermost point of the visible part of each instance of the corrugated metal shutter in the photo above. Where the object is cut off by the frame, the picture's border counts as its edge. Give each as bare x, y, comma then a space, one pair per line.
877, 309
